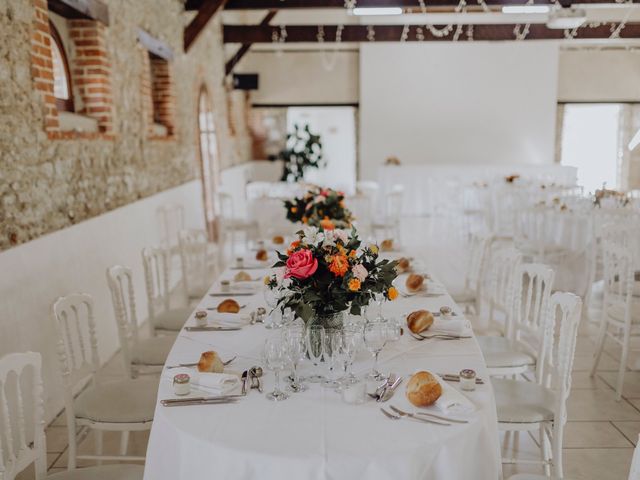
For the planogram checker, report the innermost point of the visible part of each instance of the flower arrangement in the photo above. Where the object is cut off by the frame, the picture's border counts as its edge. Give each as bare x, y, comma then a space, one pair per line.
319, 207
326, 272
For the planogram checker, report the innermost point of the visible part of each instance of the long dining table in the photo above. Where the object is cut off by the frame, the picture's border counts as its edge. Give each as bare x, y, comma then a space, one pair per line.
314, 434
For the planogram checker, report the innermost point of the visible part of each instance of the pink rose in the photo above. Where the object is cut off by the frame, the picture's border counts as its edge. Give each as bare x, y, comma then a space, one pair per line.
360, 272
301, 265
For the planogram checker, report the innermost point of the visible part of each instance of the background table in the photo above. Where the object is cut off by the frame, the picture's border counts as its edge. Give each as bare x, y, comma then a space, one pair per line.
314, 435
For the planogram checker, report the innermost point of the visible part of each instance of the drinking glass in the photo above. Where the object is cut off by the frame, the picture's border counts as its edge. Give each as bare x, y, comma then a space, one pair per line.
375, 315
333, 350
352, 337
394, 329
276, 359
375, 337
271, 297
315, 349
297, 348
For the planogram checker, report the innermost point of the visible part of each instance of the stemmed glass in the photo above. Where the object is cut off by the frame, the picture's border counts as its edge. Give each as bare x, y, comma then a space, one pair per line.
333, 347
315, 349
379, 299
276, 359
271, 297
375, 337
297, 348
351, 336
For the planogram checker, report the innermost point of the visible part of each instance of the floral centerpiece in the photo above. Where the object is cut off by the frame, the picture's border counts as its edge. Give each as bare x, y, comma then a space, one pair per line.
327, 272
319, 207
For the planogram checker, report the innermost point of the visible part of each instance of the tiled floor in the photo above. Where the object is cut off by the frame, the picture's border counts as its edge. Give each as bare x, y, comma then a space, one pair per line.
600, 433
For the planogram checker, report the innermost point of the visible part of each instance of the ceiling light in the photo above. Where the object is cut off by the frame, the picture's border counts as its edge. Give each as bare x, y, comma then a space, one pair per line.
566, 18
526, 9
362, 11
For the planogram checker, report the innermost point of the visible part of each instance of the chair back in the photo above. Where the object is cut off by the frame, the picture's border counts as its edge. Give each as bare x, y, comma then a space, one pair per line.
565, 309
476, 263
227, 205
194, 261
170, 221
361, 207
619, 279
22, 440
120, 280
532, 230
156, 275
528, 322
504, 260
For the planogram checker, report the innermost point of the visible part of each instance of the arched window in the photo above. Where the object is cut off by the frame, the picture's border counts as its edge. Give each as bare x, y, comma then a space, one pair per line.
61, 76
208, 144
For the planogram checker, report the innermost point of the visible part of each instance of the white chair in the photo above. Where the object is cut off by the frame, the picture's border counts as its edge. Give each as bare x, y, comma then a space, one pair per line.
121, 405
634, 472
369, 189
361, 206
230, 223
162, 318
523, 345
199, 263
392, 209
170, 222
542, 404
22, 438
504, 258
138, 353
620, 306
471, 293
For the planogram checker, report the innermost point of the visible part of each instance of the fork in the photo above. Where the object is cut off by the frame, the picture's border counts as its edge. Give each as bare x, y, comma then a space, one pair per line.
195, 364
430, 415
419, 419
441, 336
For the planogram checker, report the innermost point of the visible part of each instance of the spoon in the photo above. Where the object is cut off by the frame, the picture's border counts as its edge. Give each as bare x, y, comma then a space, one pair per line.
256, 372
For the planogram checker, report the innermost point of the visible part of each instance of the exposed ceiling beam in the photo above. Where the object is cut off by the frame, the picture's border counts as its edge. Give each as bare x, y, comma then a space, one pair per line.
233, 61
207, 10
285, 4
392, 33
88, 9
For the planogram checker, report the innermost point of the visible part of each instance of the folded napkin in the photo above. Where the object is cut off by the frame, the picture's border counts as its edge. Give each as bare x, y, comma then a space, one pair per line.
452, 401
216, 383
455, 325
228, 319
429, 286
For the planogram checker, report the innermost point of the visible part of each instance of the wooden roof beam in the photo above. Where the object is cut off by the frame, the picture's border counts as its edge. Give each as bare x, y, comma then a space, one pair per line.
289, 4
207, 10
87, 9
233, 61
392, 33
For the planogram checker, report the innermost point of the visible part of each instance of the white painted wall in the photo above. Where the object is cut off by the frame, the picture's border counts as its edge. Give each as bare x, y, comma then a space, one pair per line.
599, 76
75, 259
457, 104
301, 78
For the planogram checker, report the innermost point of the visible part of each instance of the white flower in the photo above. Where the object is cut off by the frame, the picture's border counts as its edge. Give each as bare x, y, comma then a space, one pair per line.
311, 235
319, 199
360, 272
341, 235
279, 272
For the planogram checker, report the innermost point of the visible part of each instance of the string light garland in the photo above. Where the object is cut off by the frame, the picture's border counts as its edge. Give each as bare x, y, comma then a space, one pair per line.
521, 33
371, 33
405, 33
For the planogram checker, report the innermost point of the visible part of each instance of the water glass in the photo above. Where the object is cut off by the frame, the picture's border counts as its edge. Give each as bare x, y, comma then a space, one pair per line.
332, 355
276, 359
375, 338
295, 341
352, 338
315, 349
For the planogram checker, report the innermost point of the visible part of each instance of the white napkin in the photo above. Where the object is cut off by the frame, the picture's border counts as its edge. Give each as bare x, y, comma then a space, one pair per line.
428, 287
452, 401
228, 319
217, 383
455, 325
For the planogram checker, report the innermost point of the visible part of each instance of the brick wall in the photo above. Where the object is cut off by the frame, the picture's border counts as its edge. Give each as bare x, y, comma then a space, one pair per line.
162, 93
42, 65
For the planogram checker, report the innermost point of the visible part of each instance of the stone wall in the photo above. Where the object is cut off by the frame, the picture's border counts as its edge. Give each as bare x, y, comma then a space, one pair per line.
49, 182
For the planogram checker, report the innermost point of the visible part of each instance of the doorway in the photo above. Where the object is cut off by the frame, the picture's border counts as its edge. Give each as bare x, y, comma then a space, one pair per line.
209, 165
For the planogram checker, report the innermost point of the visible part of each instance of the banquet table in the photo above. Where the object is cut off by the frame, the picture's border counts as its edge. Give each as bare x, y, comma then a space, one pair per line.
314, 434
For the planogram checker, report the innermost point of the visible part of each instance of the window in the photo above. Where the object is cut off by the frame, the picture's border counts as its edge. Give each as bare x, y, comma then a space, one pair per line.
208, 156
591, 143
161, 95
61, 76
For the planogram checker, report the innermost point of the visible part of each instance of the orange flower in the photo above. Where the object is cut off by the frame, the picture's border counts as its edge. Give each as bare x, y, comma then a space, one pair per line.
352, 254
295, 244
339, 265
294, 209
327, 224
354, 284
305, 219
392, 293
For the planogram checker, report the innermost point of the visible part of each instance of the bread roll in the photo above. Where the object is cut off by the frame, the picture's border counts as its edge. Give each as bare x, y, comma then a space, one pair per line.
262, 255
419, 321
386, 245
242, 276
403, 265
210, 362
278, 240
228, 306
414, 282
423, 389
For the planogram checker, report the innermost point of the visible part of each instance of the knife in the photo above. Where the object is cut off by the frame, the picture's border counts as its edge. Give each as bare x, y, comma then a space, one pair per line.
174, 402
388, 393
212, 329
231, 294
244, 381
454, 377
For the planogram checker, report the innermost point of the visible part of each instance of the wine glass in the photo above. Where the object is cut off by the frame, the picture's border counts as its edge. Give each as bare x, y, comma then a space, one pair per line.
375, 337
271, 298
275, 358
352, 336
333, 347
376, 315
297, 348
394, 329
315, 349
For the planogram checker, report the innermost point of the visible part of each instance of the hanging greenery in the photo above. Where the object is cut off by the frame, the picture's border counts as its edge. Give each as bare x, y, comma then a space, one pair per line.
303, 150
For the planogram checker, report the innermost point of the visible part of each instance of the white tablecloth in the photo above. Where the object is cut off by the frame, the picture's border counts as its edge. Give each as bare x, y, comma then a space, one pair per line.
314, 435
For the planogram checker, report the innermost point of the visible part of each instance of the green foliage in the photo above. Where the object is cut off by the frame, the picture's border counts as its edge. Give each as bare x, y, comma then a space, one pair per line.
317, 205
303, 150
